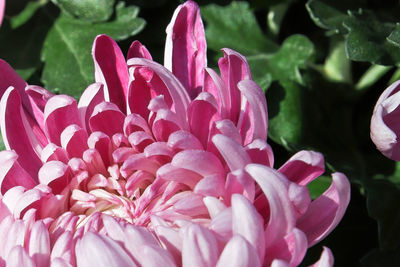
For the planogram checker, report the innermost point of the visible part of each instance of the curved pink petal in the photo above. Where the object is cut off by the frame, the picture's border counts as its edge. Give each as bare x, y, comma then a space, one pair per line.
155, 256
107, 118
234, 68
292, 248
233, 153
238, 252
101, 251
17, 133
176, 90
385, 127
214, 85
179, 175
303, 167
248, 223
111, 70
189, 159
201, 115
199, 247
326, 259
325, 212
56, 175
253, 121
102, 143
260, 152
185, 47
12, 174
282, 217
138, 50
183, 140
60, 111
212, 185
63, 247
91, 97
240, 182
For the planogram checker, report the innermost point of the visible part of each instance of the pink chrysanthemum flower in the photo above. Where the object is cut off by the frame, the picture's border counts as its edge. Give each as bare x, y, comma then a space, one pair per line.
155, 166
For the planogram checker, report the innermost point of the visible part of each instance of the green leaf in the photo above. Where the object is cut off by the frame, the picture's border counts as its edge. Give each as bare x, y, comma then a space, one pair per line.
68, 63
394, 36
327, 15
367, 39
319, 186
285, 64
371, 76
337, 66
285, 113
27, 13
235, 26
89, 10
275, 17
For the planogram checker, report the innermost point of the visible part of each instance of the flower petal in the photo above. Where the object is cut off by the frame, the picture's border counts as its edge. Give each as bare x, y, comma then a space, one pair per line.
138, 50
325, 212
199, 246
303, 167
18, 257
60, 111
12, 174
326, 259
101, 251
17, 133
185, 47
248, 223
91, 97
111, 70
107, 118
238, 252
39, 244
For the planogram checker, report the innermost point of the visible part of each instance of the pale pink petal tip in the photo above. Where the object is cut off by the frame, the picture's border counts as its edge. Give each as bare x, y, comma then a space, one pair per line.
326, 259
2, 9
385, 126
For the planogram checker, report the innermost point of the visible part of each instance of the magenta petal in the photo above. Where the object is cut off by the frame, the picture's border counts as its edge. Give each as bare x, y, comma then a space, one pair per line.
212, 185
179, 175
303, 167
101, 251
17, 134
138, 50
74, 140
185, 47
253, 121
240, 182
238, 252
275, 187
385, 128
101, 142
176, 90
54, 152
248, 223
18, 257
91, 97
325, 212
234, 68
9, 77
111, 70
38, 97
214, 85
139, 92
107, 118
183, 140
12, 174
56, 175
202, 113
60, 111
227, 128
326, 259
199, 248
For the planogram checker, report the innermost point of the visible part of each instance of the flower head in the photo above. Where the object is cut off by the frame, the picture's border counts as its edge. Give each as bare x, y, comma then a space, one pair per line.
155, 166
